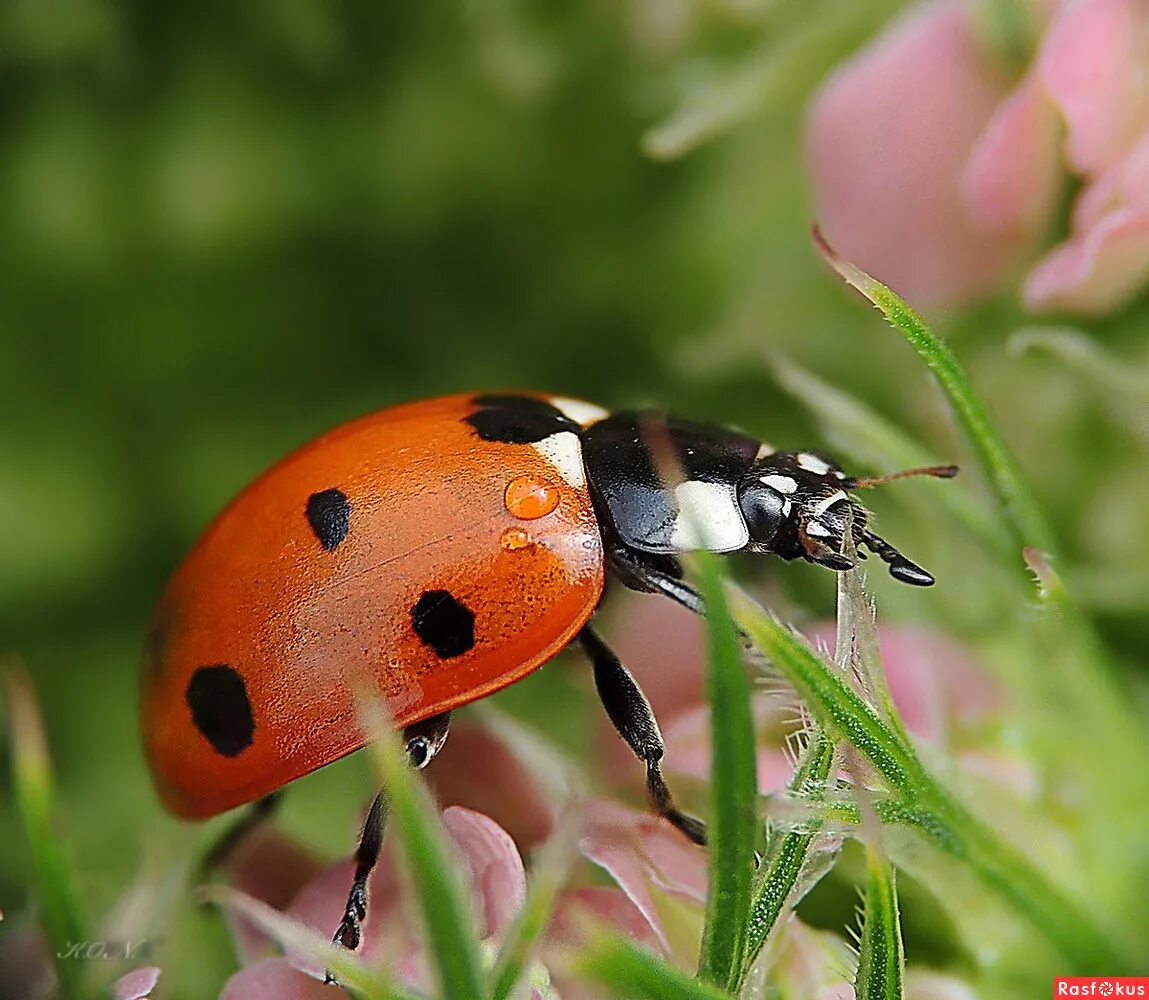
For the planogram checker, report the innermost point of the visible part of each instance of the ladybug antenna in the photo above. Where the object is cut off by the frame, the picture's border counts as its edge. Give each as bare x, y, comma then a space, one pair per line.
901, 568
938, 471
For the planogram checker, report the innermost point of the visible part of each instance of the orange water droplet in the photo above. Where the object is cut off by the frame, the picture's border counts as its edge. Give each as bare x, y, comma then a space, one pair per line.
527, 498
515, 538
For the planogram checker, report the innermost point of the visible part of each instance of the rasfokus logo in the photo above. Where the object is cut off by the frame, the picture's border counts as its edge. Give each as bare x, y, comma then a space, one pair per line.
1101, 986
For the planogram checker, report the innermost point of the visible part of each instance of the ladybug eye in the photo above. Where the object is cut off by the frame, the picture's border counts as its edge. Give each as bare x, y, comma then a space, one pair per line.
764, 510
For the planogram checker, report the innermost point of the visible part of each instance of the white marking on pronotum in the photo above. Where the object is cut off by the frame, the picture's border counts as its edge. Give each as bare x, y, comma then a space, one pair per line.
581, 413
564, 452
817, 528
785, 508
708, 518
826, 503
812, 463
783, 484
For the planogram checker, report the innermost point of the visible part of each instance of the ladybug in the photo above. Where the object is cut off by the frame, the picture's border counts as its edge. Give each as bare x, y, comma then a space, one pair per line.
436, 552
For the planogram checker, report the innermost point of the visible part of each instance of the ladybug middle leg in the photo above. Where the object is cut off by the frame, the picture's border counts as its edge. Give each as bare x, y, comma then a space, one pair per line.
630, 711
422, 742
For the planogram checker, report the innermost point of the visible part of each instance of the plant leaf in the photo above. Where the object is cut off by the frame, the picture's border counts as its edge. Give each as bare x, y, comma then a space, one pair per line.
633, 972
922, 802
781, 884
881, 957
840, 710
733, 788
62, 916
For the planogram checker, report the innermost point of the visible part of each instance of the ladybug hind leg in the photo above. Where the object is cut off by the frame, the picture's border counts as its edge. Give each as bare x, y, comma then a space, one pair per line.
630, 711
223, 850
422, 742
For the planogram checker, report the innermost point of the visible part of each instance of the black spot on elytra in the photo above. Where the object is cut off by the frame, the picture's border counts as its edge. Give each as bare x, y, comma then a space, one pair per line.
220, 710
444, 624
511, 419
329, 514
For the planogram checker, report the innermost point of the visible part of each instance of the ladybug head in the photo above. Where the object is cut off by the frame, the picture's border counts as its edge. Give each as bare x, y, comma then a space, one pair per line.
797, 504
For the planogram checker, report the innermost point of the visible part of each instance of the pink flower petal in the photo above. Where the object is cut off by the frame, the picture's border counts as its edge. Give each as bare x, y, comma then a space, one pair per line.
1106, 260
274, 979
887, 140
478, 770
1124, 185
389, 934
497, 874
1096, 273
1013, 176
604, 903
136, 985
1093, 63
689, 747
640, 851
664, 646
580, 909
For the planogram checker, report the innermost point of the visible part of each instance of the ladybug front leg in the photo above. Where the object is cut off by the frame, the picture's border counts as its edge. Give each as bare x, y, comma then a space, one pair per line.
630, 711
649, 574
422, 742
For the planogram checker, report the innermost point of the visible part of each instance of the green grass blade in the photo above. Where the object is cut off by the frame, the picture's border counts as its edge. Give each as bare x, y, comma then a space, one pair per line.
61, 915
733, 789
451, 935
788, 853
1023, 516
1083, 354
881, 957
634, 973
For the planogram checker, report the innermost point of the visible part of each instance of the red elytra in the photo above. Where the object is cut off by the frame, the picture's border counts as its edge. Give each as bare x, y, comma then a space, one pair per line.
313, 585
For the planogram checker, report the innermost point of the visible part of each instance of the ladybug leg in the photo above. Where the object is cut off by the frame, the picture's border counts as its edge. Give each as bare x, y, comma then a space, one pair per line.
422, 742
220, 853
659, 575
650, 574
630, 711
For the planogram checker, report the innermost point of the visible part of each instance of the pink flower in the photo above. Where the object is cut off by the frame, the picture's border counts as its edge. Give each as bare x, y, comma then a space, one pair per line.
942, 182
487, 857
137, 985
1094, 64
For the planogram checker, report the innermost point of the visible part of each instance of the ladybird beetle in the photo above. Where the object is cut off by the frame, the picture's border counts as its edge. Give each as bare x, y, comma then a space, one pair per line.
436, 552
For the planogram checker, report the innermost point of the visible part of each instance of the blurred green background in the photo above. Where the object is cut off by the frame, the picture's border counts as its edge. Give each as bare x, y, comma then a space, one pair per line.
225, 228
